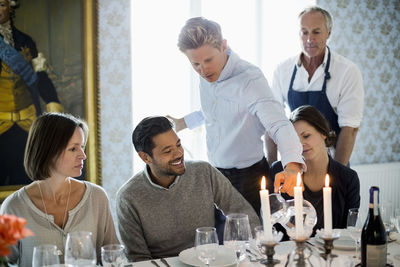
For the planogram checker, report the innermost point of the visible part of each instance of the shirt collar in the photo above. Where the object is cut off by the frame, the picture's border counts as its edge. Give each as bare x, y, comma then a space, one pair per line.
229, 66
146, 172
299, 64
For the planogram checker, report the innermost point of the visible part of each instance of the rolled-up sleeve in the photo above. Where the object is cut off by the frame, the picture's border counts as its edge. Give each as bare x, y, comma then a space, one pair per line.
194, 119
351, 98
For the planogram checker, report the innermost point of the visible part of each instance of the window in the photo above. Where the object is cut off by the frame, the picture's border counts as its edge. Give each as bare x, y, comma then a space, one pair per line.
261, 32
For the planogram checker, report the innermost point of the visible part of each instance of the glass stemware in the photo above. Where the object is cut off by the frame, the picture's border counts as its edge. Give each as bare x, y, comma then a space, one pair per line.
396, 222
45, 255
237, 234
206, 244
387, 216
354, 226
113, 255
79, 249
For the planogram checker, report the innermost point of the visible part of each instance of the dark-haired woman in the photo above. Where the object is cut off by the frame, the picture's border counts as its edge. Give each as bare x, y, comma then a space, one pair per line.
315, 137
55, 203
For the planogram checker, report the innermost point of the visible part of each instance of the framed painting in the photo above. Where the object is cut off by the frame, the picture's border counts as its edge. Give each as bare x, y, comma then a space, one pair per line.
65, 34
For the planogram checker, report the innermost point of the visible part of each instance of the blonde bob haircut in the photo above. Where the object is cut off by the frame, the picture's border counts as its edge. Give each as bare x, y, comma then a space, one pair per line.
47, 140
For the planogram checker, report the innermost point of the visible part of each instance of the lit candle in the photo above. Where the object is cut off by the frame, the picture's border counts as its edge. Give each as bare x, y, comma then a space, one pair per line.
327, 207
266, 211
298, 206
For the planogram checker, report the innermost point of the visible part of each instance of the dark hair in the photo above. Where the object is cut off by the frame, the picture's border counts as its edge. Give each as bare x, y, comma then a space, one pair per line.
142, 136
315, 118
47, 139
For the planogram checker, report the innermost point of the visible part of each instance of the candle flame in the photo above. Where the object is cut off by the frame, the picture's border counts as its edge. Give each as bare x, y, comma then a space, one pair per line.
298, 179
263, 183
327, 180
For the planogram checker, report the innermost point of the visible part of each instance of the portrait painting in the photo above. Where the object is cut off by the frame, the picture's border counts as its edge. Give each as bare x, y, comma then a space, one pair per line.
48, 64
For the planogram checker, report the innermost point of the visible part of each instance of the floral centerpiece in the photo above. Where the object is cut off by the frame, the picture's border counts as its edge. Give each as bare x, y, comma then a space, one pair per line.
12, 229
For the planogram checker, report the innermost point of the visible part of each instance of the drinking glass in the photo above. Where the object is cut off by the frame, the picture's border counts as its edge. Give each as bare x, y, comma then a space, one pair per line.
354, 226
387, 216
237, 234
206, 244
45, 255
396, 222
79, 249
113, 255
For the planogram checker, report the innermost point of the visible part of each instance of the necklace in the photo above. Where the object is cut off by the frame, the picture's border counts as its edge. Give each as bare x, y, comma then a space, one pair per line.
65, 213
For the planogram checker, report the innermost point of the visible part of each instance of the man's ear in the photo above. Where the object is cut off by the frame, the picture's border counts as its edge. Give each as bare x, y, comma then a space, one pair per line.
224, 45
145, 157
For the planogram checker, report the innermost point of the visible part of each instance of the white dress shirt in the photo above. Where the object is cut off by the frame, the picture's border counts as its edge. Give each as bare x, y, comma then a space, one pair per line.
344, 89
237, 110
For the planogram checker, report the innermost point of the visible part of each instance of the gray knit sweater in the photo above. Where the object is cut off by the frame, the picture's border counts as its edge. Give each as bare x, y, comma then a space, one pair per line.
157, 222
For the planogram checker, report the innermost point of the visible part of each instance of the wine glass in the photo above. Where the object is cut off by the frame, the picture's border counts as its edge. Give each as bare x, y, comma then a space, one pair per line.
45, 255
387, 216
79, 249
396, 222
354, 227
237, 234
206, 244
113, 255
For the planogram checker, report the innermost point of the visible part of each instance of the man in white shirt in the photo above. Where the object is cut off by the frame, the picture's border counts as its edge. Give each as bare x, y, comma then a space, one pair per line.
238, 108
323, 79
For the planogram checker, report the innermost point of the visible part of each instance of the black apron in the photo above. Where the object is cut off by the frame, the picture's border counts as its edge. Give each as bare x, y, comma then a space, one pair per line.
317, 99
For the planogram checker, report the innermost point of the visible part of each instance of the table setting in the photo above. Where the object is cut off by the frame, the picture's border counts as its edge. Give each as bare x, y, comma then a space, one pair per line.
261, 246
329, 247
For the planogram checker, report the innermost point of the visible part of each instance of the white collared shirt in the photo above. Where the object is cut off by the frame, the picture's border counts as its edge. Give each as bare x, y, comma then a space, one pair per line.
344, 89
146, 172
237, 110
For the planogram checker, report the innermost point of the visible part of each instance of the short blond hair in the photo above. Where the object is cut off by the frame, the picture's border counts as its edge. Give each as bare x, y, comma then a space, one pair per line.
199, 31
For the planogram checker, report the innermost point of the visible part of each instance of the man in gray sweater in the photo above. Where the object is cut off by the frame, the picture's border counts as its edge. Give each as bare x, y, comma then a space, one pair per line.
160, 208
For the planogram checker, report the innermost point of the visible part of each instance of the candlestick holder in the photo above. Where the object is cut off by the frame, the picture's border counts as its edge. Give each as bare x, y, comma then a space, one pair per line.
328, 242
303, 255
267, 247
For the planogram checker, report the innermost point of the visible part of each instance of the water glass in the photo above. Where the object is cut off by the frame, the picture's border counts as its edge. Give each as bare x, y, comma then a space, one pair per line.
113, 255
237, 234
354, 226
45, 255
206, 244
387, 216
79, 249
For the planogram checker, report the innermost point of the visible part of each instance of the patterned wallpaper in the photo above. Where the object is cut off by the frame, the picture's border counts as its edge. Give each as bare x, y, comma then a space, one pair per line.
367, 32
115, 94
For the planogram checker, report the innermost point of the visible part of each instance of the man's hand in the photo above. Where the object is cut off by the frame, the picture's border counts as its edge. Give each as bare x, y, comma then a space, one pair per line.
288, 178
180, 124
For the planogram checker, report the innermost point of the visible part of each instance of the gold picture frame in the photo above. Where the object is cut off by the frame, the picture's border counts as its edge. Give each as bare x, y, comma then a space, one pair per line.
89, 9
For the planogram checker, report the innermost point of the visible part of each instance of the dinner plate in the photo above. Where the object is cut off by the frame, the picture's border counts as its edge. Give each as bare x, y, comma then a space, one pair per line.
345, 242
225, 257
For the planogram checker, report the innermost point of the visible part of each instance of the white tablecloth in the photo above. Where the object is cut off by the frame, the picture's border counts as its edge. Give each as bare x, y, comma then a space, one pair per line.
281, 251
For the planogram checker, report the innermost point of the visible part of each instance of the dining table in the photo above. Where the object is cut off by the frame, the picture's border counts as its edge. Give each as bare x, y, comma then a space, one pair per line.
345, 258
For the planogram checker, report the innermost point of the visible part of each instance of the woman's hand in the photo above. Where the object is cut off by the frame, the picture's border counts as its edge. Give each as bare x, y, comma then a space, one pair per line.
286, 180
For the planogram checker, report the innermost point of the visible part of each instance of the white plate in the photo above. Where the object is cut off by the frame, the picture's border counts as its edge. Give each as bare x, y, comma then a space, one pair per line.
345, 242
225, 257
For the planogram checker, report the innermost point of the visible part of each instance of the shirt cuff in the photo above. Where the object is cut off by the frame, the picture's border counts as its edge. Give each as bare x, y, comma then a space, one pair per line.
293, 158
194, 119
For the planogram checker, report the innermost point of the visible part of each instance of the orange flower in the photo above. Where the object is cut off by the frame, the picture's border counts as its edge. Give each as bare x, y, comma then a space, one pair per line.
11, 230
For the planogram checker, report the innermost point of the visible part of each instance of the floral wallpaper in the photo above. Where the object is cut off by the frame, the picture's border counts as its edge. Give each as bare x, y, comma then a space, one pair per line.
115, 94
367, 32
